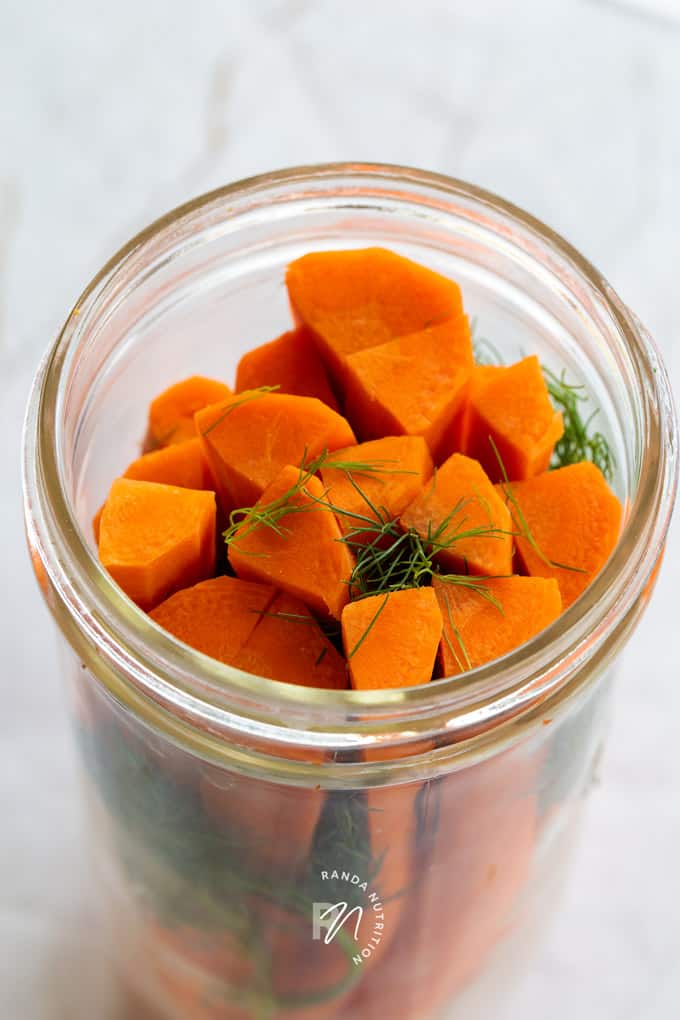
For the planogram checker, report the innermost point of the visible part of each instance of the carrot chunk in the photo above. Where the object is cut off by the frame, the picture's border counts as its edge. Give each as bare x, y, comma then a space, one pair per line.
182, 464
216, 617
413, 385
290, 362
171, 414
574, 519
513, 409
480, 376
461, 511
155, 539
352, 300
271, 823
288, 645
251, 437
478, 630
396, 468
391, 640
303, 554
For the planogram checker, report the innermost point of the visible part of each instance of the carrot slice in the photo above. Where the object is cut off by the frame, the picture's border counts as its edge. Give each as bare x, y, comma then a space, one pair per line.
352, 300
171, 414
287, 644
290, 362
216, 617
303, 555
391, 640
477, 630
251, 437
183, 464
461, 501
411, 386
155, 539
574, 519
480, 376
397, 467
513, 409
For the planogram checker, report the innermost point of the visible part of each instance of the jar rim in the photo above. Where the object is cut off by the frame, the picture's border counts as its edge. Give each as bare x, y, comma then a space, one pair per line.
149, 668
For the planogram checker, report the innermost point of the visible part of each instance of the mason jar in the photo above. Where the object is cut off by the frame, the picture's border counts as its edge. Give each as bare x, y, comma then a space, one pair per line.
265, 850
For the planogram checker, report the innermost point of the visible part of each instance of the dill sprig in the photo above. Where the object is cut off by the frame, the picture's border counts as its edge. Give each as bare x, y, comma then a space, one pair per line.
484, 351
244, 520
578, 443
253, 394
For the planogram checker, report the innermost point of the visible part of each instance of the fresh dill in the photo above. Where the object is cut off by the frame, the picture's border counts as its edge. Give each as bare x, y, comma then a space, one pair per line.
578, 442
253, 394
244, 520
485, 352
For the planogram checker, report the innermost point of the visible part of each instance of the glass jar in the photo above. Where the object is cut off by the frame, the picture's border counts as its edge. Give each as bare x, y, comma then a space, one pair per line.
269, 851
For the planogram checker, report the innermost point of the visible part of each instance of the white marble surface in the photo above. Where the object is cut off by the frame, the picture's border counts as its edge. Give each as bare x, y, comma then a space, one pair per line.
111, 113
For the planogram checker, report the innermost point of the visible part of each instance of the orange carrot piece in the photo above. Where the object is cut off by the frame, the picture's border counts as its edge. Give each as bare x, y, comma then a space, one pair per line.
391, 640
155, 539
397, 467
352, 300
305, 556
413, 385
514, 409
477, 631
96, 523
574, 519
171, 414
462, 494
250, 438
216, 617
290, 362
480, 376
287, 644
183, 464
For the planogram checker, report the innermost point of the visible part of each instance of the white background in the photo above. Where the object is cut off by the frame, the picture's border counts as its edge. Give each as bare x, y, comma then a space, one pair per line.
112, 112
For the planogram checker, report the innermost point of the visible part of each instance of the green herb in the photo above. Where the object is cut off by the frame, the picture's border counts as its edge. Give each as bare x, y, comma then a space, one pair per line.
578, 442
245, 520
254, 394
485, 352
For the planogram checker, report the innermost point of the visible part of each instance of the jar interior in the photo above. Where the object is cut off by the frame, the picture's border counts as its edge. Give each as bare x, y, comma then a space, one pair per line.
209, 287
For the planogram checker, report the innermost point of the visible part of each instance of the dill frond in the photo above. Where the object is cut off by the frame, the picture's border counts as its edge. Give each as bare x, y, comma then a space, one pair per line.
578, 442
253, 394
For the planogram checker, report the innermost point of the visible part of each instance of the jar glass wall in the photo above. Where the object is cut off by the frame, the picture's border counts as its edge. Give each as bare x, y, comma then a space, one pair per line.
220, 801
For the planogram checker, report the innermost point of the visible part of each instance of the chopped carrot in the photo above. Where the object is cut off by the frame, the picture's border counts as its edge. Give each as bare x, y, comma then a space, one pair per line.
171, 414
216, 617
303, 554
352, 300
96, 523
287, 644
250, 438
183, 464
477, 864
480, 376
461, 501
574, 520
290, 362
478, 630
413, 385
512, 410
391, 640
155, 539
396, 469
273, 823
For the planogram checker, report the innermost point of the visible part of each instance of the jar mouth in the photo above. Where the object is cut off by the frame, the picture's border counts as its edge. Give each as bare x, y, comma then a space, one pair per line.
154, 673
